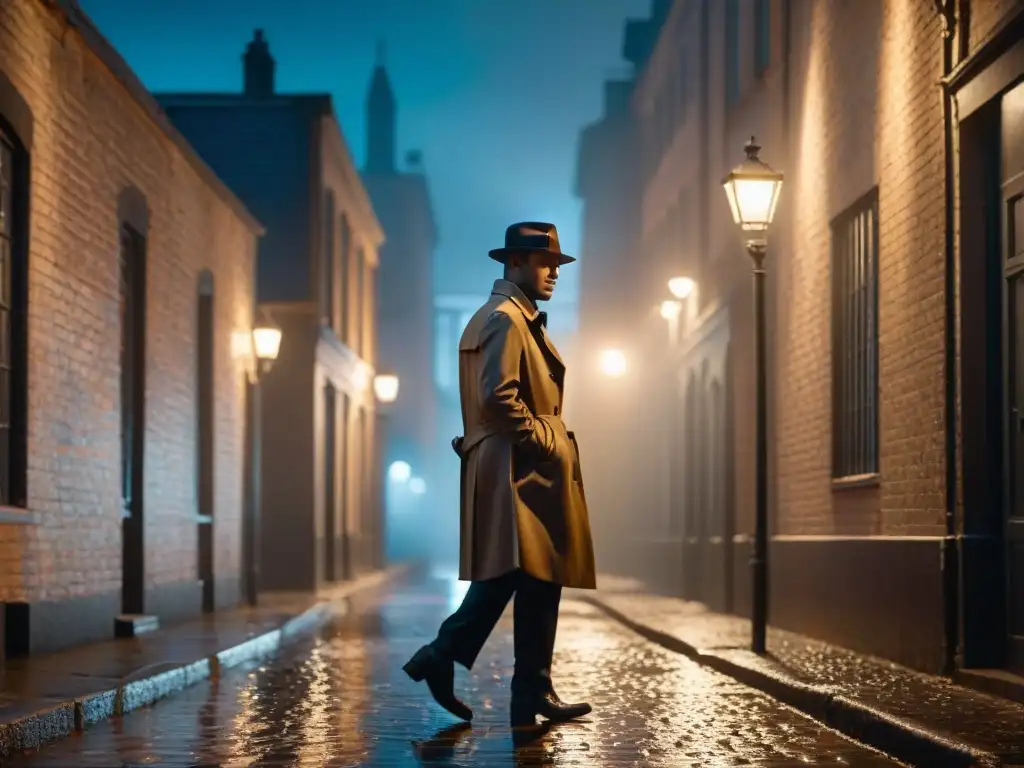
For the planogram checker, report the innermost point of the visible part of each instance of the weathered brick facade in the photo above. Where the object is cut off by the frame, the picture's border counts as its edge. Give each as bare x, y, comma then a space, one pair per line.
90, 133
845, 97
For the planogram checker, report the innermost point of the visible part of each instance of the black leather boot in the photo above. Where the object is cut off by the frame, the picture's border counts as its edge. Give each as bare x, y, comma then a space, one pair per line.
439, 674
527, 705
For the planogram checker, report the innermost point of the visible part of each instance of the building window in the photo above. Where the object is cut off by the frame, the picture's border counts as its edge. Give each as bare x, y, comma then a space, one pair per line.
133, 286
762, 35
13, 294
328, 259
855, 339
732, 52
346, 245
359, 302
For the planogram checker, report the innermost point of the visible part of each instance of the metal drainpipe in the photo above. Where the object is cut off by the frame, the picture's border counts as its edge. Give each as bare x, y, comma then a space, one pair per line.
950, 549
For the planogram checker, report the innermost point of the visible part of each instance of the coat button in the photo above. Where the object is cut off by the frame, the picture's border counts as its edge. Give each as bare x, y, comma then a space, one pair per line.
553, 377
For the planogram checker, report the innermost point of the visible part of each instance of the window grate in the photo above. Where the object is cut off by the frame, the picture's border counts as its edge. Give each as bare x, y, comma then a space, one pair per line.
855, 340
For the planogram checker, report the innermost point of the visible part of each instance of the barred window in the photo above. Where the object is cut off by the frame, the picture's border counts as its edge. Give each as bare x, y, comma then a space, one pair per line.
855, 339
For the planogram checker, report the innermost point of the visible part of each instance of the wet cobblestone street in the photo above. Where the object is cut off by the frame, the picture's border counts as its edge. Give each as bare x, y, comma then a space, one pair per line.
341, 699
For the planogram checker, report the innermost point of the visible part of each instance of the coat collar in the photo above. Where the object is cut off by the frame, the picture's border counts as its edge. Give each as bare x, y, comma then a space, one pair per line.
512, 291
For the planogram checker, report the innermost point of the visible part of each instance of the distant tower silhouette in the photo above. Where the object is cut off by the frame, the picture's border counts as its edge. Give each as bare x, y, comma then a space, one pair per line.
380, 120
258, 67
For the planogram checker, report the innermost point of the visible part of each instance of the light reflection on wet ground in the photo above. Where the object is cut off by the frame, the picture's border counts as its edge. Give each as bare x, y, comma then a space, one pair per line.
341, 699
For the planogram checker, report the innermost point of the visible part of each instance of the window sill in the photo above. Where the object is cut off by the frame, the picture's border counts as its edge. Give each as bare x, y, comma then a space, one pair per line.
17, 516
871, 480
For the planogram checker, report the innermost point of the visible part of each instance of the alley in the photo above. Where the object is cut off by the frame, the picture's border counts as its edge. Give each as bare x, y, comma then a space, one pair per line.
340, 699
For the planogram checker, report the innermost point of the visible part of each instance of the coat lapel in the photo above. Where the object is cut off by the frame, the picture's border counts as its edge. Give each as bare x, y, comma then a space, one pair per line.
512, 291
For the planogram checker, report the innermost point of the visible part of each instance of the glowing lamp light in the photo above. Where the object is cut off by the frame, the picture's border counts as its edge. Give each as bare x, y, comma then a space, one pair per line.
670, 309
385, 387
418, 485
266, 342
399, 472
681, 287
613, 363
753, 190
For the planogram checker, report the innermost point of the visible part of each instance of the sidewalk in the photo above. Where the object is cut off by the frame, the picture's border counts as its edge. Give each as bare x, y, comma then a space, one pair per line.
49, 696
917, 718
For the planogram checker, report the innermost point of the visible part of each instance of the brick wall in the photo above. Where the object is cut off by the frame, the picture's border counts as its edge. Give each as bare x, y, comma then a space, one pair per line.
866, 110
92, 139
986, 16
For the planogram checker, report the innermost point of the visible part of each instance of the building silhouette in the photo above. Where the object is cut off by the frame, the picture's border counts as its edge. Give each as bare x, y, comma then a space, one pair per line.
285, 155
401, 198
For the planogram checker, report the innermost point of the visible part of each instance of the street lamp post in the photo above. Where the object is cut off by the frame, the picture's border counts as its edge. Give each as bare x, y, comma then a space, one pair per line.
266, 344
753, 192
385, 389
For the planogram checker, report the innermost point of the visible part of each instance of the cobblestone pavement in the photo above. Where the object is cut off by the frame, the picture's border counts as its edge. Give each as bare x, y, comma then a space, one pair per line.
341, 699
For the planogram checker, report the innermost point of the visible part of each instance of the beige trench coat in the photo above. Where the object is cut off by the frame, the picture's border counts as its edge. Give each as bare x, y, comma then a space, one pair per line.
522, 500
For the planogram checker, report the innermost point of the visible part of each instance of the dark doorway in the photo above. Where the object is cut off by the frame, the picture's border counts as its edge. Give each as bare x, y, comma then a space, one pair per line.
330, 469
1013, 269
204, 438
133, 408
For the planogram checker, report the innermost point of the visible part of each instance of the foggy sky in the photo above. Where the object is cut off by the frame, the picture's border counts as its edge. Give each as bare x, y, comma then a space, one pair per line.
494, 92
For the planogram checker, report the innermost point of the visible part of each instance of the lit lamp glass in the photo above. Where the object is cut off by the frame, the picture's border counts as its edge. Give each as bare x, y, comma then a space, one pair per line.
681, 287
418, 485
385, 387
266, 343
753, 191
670, 309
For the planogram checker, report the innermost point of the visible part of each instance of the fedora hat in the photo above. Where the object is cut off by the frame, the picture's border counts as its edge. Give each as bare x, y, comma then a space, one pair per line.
531, 237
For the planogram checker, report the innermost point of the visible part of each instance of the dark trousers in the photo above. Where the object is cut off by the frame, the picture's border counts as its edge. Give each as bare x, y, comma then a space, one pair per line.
464, 633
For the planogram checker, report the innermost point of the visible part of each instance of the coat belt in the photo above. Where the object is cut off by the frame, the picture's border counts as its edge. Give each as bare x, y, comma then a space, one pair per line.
474, 437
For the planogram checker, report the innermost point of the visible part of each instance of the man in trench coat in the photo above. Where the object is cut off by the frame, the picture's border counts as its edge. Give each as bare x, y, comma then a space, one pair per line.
524, 523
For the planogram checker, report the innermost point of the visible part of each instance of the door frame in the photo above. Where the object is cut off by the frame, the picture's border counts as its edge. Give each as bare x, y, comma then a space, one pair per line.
1011, 190
977, 85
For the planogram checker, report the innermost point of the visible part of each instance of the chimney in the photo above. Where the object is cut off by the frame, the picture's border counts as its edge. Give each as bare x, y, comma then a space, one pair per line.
258, 68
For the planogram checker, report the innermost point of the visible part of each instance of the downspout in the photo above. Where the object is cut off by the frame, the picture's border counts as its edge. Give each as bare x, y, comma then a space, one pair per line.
950, 561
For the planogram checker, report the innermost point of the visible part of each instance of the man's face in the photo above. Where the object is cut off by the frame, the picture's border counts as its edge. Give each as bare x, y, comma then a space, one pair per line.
536, 274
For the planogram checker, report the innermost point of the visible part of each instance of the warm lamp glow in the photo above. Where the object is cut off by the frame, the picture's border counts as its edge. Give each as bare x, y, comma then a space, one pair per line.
670, 309
681, 287
753, 191
385, 387
613, 363
266, 341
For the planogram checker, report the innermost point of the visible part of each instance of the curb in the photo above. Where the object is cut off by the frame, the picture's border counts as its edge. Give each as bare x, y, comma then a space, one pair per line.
902, 739
66, 717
